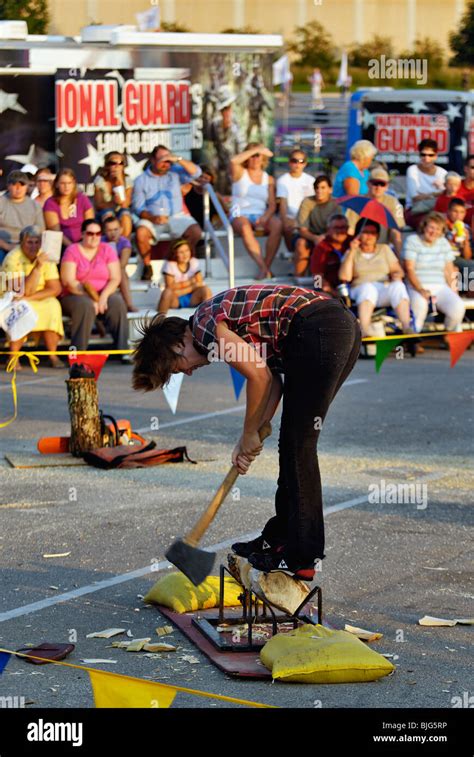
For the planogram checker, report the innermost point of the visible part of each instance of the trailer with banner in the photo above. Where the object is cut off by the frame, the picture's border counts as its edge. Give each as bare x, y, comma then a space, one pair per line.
397, 120
72, 100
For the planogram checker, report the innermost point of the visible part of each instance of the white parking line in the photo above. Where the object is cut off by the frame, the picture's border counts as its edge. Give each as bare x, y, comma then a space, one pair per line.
7, 384
235, 409
164, 564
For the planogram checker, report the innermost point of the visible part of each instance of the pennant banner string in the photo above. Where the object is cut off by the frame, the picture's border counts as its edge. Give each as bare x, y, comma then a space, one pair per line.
132, 678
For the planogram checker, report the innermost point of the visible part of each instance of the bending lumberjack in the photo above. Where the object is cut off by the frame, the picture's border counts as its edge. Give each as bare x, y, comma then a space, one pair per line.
262, 331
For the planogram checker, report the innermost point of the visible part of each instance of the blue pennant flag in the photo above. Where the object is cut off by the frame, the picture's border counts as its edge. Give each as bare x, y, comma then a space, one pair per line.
4, 658
238, 381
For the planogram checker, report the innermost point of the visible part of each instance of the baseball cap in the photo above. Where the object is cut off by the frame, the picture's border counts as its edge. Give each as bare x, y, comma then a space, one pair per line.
17, 176
29, 168
380, 174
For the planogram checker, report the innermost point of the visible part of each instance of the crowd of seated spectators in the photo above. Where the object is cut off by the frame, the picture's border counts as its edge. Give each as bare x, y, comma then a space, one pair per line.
335, 245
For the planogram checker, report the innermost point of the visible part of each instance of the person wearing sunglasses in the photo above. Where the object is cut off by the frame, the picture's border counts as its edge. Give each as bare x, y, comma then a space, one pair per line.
378, 185
17, 210
90, 275
292, 188
425, 181
113, 191
327, 254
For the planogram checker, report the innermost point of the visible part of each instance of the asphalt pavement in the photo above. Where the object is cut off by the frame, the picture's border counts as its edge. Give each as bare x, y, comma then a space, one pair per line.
388, 562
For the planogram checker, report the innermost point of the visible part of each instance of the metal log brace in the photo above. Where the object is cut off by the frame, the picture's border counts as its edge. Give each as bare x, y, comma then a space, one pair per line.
255, 610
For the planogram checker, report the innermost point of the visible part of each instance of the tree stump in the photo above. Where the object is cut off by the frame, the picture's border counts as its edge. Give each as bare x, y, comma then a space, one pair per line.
83, 403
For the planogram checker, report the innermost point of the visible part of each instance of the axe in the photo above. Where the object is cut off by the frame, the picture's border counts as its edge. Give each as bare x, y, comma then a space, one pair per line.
196, 563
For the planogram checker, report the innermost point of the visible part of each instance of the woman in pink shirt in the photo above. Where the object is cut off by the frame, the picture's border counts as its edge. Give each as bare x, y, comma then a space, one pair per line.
90, 275
67, 208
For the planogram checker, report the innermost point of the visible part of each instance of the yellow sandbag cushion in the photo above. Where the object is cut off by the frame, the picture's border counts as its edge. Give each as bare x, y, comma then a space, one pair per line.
179, 594
315, 654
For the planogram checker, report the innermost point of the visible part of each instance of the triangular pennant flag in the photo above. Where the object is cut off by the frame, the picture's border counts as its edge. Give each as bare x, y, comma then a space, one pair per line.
172, 390
4, 659
113, 690
383, 348
237, 380
94, 362
458, 344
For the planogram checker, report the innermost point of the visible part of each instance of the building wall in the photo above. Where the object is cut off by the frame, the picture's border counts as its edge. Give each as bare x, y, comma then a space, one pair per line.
348, 21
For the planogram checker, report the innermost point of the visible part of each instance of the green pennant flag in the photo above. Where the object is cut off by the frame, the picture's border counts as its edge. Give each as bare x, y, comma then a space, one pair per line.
383, 348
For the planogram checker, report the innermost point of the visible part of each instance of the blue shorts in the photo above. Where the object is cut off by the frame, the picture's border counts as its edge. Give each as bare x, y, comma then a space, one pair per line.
118, 212
185, 300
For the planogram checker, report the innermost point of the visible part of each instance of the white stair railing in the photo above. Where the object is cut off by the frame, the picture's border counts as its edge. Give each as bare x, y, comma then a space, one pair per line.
211, 233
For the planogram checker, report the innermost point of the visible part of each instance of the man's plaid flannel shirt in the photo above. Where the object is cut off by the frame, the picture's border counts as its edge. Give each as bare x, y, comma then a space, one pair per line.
260, 314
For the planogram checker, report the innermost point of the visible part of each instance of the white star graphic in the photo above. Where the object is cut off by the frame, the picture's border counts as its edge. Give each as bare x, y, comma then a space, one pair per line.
368, 119
35, 155
9, 101
94, 160
452, 112
417, 105
462, 147
135, 167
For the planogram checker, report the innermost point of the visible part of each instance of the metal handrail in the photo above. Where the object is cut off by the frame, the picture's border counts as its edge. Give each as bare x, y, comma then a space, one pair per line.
210, 233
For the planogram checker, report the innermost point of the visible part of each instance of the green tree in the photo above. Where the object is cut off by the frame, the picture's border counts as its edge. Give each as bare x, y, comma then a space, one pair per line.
360, 55
314, 46
34, 12
461, 42
427, 49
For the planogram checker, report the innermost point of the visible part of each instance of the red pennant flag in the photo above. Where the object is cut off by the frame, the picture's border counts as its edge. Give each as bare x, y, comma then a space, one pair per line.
94, 362
458, 344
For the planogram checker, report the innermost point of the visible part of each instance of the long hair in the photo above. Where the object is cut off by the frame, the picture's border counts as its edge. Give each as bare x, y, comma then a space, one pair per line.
155, 355
74, 193
104, 172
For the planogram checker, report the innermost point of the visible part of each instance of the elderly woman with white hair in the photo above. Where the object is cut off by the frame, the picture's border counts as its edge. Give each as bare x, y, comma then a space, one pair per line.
353, 175
40, 289
431, 274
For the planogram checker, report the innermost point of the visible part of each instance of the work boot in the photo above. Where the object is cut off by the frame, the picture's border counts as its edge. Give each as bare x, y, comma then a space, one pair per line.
276, 561
258, 545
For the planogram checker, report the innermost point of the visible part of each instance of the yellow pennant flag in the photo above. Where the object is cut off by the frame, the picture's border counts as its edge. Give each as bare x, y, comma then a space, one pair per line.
113, 690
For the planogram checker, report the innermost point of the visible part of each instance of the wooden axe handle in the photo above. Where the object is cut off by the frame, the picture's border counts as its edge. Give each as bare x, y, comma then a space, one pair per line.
196, 534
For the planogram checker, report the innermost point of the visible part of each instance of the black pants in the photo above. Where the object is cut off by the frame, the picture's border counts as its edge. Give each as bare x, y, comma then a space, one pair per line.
319, 352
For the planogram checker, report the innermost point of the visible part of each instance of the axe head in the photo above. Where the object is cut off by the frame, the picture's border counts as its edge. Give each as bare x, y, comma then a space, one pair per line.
195, 563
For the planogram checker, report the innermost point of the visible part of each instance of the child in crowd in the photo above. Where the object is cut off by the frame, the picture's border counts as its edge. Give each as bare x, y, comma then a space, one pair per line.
452, 187
184, 285
112, 233
458, 235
